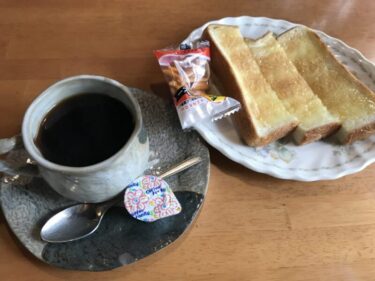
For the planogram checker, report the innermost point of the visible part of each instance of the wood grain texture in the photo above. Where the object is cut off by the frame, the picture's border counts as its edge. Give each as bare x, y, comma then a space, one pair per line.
252, 226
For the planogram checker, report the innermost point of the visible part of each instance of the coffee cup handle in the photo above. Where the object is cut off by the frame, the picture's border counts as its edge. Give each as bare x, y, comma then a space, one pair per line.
16, 161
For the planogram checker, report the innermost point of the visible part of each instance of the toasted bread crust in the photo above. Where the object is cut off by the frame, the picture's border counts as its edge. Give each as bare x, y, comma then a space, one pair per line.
345, 135
359, 134
223, 72
246, 130
339, 64
292, 90
319, 133
366, 130
243, 119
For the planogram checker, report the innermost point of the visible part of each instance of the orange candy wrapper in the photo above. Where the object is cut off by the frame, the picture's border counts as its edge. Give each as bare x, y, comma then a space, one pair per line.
187, 72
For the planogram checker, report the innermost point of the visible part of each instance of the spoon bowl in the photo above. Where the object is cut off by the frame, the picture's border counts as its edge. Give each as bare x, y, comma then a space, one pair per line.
82, 220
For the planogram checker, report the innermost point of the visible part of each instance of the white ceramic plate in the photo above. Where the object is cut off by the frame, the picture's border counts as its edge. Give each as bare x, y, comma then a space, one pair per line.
321, 160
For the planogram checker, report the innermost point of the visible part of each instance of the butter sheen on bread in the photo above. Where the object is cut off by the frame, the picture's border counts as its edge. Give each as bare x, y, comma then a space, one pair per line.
315, 121
340, 91
263, 117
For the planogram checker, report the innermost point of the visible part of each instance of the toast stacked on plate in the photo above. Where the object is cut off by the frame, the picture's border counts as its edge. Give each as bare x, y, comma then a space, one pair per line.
263, 118
344, 95
289, 85
315, 121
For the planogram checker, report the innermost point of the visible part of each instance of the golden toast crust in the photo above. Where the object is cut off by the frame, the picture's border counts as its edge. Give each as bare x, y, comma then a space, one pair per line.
361, 123
298, 98
244, 119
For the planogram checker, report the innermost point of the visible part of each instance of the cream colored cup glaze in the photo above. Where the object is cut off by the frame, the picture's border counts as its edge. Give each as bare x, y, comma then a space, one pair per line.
102, 181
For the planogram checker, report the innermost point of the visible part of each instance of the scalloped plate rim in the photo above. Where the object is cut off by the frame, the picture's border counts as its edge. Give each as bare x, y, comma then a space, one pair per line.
232, 153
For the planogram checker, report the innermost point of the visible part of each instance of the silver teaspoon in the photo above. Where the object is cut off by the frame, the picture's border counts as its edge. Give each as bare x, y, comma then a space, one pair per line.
82, 220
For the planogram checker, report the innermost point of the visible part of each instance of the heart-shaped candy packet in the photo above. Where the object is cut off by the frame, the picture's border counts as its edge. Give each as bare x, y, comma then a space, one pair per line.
150, 198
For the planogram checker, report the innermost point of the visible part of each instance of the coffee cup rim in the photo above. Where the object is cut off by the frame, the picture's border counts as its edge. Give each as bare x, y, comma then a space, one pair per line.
40, 160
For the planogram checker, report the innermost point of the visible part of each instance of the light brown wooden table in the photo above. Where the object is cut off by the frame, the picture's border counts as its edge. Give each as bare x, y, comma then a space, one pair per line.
282, 230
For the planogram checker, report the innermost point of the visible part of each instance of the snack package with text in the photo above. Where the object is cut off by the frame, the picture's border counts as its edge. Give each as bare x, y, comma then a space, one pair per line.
187, 71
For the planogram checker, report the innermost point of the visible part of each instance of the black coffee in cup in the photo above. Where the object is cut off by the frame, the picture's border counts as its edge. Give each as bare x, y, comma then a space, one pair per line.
84, 130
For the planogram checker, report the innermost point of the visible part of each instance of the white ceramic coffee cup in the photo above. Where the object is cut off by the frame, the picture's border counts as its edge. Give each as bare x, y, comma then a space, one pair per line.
101, 181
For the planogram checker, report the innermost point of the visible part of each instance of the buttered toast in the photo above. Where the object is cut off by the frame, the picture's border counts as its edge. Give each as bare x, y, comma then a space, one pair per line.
315, 122
342, 93
263, 118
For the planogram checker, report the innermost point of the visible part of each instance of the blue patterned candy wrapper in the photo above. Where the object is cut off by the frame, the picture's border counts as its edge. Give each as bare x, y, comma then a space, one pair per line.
150, 198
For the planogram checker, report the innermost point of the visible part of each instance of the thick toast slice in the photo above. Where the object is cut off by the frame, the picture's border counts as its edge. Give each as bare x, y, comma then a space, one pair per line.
298, 98
340, 91
262, 118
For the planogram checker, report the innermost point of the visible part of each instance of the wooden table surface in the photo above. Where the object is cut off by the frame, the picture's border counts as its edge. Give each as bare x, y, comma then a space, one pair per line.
280, 230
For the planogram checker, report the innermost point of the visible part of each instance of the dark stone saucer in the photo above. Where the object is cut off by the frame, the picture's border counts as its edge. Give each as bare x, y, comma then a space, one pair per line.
120, 239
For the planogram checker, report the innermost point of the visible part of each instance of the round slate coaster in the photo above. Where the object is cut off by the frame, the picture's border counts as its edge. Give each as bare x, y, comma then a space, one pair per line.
120, 239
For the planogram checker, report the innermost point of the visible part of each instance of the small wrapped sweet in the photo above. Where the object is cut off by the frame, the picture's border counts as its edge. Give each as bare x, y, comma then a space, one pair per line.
187, 72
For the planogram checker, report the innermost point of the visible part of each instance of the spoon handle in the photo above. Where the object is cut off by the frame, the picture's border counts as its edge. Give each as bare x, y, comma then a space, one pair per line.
181, 166
103, 207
